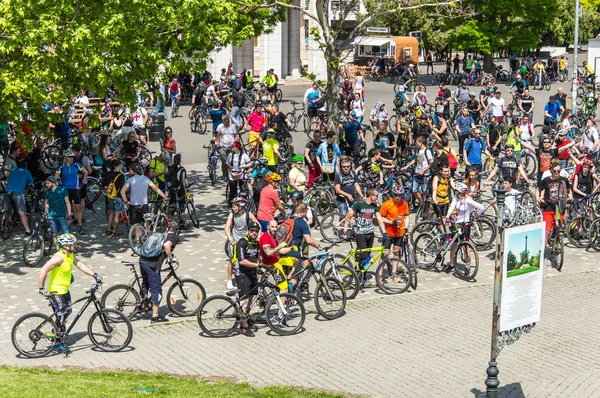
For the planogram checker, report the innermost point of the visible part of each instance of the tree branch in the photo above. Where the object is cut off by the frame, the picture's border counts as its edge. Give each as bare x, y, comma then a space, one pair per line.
250, 8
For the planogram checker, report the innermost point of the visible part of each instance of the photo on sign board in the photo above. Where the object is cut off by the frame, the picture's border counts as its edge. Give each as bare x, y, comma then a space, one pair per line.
524, 252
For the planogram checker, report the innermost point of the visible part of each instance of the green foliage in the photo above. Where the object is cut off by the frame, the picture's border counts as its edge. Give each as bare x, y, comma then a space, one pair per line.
524, 257
511, 260
535, 260
74, 44
561, 29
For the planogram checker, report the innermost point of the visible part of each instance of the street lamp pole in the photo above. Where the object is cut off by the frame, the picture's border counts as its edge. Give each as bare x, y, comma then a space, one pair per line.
492, 381
575, 53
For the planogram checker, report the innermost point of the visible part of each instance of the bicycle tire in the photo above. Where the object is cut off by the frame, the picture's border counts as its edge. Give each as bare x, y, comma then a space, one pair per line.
6, 223
51, 156
529, 164
594, 235
422, 227
186, 300
110, 326
93, 190
295, 312
137, 236
212, 170
466, 252
579, 236
392, 123
344, 274
145, 157
425, 251
193, 214
191, 113
278, 95
330, 227
559, 251
413, 268
34, 335
504, 76
384, 276
330, 305
217, 310
292, 119
123, 298
484, 233
453, 132
33, 250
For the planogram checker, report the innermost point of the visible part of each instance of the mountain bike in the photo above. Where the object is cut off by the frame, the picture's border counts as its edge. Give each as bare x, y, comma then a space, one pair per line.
152, 222
213, 161
39, 244
284, 313
35, 335
183, 297
295, 120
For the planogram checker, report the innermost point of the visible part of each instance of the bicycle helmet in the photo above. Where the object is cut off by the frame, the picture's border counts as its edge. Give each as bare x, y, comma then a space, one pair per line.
253, 225
379, 144
69, 154
587, 162
264, 98
518, 76
296, 195
173, 225
460, 187
66, 239
239, 201
397, 189
272, 177
472, 94
353, 113
463, 81
298, 159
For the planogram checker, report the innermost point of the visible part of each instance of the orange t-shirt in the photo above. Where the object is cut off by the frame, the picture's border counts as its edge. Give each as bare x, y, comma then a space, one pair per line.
391, 211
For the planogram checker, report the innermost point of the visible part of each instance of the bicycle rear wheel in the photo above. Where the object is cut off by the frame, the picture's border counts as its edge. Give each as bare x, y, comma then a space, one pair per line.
578, 231
191, 209
34, 335
184, 298
529, 163
330, 298
390, 281
466, 261
123, 298
483, 233
33, 250
594, 235
344, 274
290, 322
331, 227
425, 251
6, 224
110, 330
51, 156
137, 236
558, 250
218, 316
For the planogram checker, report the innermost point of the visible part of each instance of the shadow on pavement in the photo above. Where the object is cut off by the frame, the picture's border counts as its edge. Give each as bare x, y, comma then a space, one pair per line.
512, 390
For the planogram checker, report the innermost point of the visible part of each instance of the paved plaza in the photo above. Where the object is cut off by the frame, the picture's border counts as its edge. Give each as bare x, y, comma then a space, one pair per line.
433, 342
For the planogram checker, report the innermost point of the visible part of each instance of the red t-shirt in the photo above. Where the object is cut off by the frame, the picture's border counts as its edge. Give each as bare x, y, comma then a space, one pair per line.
168, 144
564, 154
267, 239
269, 198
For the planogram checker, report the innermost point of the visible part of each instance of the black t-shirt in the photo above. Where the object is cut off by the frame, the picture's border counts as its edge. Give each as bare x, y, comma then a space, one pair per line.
239, 99
422, 130
369, 174
438, 162
584, 184
527, 102
157, 262
346, 183
280, 120
508, 167
544, 158
447, 93
312, 150
552, 191
33, 161
110, 176
472, 105
494, 132
130, 148
562, 98
198, 93
388, 139
246, 250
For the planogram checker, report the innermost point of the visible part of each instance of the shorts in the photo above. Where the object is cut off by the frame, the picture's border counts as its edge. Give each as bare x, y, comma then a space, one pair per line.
83, 192
441, 209
312, 111
420, 185
246, 282
58, 225
549, 219
136, 213
117, 205
18, 200
579, 205
74, 196
253, 138
264, 226
396, 241
62, 306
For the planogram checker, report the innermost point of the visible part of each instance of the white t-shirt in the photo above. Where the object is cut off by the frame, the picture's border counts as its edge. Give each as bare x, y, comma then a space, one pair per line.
209, 92
138, 189
589, 136
510, 202
237, 160
357, 106
358, 86
138, 117
422, 160
463, 209
497, 105
525, 131
227, 135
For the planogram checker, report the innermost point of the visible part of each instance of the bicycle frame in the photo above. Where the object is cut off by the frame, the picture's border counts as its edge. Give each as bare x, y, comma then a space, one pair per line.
355, 252
90, 299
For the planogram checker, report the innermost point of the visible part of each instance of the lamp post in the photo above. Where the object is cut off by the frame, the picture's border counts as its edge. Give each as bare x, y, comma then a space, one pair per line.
575, 53
492, 381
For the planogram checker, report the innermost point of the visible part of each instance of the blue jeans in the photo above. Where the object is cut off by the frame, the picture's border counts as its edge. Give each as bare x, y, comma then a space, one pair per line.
58, 225
235, 115
160, 107
342, 207
151, 282
538, 79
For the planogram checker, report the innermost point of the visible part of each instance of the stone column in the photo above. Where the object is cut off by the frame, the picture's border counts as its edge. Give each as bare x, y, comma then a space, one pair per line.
293, 52
243, 56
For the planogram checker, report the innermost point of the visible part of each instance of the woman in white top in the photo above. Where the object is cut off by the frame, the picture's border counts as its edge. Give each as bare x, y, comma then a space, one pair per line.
460, 210
359, 86
419, 97
358, 105
378, 114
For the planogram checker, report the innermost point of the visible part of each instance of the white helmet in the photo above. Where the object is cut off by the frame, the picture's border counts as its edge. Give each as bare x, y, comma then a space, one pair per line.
411, 65
66, 239
460, 187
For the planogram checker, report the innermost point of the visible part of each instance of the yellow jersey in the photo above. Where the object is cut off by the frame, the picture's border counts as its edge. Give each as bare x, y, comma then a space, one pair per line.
61, 276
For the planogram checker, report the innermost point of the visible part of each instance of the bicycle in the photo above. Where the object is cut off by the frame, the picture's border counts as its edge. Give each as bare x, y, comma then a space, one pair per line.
295, 120
152, 222
213, 161
39, 244
555, 240
284, 313
42, 333
174, 106
183, 297
429, 250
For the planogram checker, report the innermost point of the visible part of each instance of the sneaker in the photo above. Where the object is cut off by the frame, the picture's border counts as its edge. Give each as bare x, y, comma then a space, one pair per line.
158, 319
108, 233
28, 232
116, 233
81, 232
61, 347
248, 332
230, 285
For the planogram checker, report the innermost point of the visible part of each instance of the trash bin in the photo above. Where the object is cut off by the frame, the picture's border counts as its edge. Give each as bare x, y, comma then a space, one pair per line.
158, 128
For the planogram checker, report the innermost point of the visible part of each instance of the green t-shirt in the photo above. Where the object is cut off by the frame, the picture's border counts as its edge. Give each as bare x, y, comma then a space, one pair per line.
56, 202
365, 213
470, 63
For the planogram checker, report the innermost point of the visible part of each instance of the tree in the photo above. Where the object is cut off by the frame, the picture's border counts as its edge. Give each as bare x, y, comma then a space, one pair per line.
333, 39
52, 49
524, 257
511, 261
561, 28
535, 260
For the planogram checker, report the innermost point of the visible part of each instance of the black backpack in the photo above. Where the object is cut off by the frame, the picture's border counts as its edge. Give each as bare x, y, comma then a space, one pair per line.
260, 183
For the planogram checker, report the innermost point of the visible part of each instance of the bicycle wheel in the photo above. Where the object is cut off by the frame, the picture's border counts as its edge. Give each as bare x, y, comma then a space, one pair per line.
292, 119
137, 236
594, 235
397, 87
123, 298
93, 190
145, 157
547, 84
558, 250
34, 335
330, 298
425, 251
392, 123
483, 233
110, 330
285, 314
6, 224
578, 231
218, 316
212, 170
278, 95
331, 227
344, 274
33, 250
184, 298
466, 261
191, 210
390, 281
529, 163
51, 156
504, 76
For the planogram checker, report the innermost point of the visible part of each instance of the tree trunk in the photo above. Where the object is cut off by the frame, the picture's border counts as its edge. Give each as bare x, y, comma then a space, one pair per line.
488, 63
332, 57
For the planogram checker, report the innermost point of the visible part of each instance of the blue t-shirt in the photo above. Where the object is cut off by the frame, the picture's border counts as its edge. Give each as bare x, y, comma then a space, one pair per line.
351, 132
474, 150
57, 207
217, 117
70, 175
311, 96
553, 109
17, 179
464, 124
301, 228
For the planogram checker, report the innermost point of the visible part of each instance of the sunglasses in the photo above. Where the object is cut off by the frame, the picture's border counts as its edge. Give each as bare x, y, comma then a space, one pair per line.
397, 195
345, 167
555, 171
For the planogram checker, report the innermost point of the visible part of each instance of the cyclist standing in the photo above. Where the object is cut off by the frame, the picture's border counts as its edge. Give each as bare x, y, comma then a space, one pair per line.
346, 186
310, 157
60, 268
69, 174
269, 201
115, 203
394, 214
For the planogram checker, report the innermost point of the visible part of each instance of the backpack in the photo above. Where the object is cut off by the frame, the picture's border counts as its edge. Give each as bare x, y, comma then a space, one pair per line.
452, 161
153, 246
259, 183
111, 190
284, 232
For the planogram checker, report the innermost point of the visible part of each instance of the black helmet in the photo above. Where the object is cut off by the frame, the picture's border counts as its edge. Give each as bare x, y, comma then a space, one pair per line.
297, 195
253, 225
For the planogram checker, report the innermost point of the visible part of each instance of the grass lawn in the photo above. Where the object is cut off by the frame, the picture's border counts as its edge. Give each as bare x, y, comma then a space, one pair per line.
34, 382
521, 271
